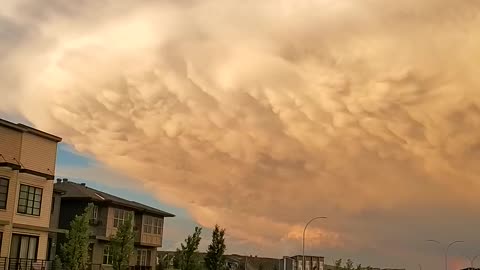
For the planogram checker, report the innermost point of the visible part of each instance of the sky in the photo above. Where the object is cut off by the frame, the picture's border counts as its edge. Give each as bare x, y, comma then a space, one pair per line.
259, 115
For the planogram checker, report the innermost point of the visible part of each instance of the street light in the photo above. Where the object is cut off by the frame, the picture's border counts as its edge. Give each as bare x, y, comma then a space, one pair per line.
446, 250
303, 240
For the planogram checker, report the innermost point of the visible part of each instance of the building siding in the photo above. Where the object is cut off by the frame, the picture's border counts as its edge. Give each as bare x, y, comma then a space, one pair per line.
34, 153
10, 143
47, 186
6, 214
38, 154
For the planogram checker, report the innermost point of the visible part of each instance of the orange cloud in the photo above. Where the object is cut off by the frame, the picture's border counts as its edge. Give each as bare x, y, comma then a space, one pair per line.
261, 115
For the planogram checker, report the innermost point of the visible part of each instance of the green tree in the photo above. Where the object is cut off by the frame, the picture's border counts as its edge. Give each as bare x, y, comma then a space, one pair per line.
214, 260
338, 264
121, 244
369, 267
57, 263
349, 265
260, 266
187, 254
75, 249
359, 266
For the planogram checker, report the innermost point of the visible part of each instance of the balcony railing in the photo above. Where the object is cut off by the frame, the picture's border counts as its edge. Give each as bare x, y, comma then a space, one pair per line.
34, 264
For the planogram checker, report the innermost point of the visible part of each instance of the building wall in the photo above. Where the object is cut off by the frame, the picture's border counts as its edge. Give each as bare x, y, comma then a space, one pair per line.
10, 143
68, 210
47, 192
38, 154
34, 153
150, 238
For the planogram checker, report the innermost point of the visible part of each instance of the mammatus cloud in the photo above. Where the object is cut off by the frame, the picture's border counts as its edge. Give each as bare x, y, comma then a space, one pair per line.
261, 114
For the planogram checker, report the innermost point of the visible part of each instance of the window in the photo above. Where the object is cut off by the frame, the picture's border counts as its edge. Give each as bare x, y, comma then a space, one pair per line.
107, 257
153, 225
24, 246
144, 257
94, 213
30, 200
3, 192
119, 217
1, 241
147, 227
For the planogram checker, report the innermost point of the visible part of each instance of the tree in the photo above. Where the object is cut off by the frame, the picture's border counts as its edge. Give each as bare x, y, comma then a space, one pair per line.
187, 254
338, 264
214, 260
57, 263
359, 266
369, 267
75, 248
121, 244
260, 266
349, 265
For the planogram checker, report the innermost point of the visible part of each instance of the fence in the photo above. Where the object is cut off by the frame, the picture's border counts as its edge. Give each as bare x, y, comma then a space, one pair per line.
33, 264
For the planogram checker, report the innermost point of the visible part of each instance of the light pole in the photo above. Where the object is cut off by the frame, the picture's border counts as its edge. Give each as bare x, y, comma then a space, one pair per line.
303, 240
446, 250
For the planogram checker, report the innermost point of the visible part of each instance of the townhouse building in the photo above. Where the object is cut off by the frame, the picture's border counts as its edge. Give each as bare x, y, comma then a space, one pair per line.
27, 168
109, 213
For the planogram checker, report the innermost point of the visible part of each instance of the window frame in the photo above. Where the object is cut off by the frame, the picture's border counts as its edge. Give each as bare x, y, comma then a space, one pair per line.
94, 216
153, 225
144, 257
27, 200
106, 253
122, 216
20, 244
3, 178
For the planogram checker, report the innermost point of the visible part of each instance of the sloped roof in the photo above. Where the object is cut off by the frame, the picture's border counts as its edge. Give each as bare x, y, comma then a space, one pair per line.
81, 191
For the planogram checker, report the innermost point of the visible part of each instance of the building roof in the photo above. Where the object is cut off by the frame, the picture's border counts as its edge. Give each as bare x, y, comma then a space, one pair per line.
81, 191
27, 129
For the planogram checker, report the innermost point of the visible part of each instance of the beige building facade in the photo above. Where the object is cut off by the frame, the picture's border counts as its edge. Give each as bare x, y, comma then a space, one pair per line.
27, 168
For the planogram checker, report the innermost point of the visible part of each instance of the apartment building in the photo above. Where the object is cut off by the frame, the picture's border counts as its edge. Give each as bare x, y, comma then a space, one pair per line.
296, 263
27, 168
108, 214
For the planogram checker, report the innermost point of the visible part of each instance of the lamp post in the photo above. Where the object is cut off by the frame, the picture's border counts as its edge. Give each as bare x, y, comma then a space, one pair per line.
303, 240
446, 250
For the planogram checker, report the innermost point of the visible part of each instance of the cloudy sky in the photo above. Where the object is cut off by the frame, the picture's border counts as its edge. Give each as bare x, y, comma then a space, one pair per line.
259, 115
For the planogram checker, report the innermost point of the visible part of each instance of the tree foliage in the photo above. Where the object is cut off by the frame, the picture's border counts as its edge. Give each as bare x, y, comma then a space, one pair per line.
75, 249
215, 260
187, 254
122, 244
359, 266
338, 264
349, 265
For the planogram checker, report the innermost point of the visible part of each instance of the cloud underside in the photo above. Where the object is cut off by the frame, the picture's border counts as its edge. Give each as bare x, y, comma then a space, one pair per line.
261, 114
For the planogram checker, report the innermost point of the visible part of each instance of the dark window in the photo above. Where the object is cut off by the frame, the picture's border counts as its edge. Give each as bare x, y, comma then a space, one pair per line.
107, 257
24, 246
144, 257
94, 213
3, 192
119, 217
1, 241
53, 205
153, 225
30, 200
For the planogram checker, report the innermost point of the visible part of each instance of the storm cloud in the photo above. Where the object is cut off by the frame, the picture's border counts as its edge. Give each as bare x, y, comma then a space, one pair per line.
261, 114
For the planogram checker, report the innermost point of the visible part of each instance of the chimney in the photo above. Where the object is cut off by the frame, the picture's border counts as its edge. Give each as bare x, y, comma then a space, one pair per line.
59, 180
65, 180
83, 184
